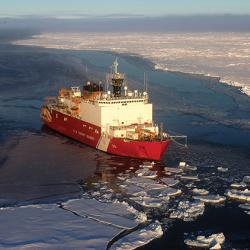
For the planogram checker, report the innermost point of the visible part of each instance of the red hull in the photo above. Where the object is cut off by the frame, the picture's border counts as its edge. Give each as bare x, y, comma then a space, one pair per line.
91, 135
138, 149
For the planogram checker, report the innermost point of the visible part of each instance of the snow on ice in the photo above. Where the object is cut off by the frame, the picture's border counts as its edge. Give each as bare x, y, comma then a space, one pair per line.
198, 53
200, 191
188, 210
211, 199
139, 237
212, 242
240, 195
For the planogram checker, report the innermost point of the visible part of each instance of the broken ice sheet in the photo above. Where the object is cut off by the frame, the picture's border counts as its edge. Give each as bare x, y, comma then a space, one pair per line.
239, 185
49, 227
117, 213
170, 181
211, 199
189, 177
78, 224
147, 164
246, 208
184, 166
222, 170
170, 171
200, 191
213, 241
139, 237
146, 173
188, 210
246, 179
132, 189
151, 202
140, 181
240, 195
144, 183
163, 192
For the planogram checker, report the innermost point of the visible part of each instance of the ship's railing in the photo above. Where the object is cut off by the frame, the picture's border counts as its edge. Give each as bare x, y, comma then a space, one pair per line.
110, 99
132, 126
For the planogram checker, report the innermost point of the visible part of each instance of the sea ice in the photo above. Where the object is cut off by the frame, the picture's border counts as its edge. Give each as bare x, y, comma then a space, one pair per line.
188, 210
163, 192
77, 224
169, 171
212, 242
186, 167
246, 179
241, 195
147, 164
170, 181
139, 237
223, 170
200, 191
190, 178
150, 202
182, 164
116, 213
146, 173
49, 227
132, 189
239, 185
245, 206
140, 181
199, 53
148, 186
145, 183
211, 199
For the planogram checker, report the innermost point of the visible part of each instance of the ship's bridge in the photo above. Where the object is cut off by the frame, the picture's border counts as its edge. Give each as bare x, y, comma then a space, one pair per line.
131, 98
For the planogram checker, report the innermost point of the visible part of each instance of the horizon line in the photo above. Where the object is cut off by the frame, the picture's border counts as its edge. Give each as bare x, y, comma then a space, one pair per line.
114, 16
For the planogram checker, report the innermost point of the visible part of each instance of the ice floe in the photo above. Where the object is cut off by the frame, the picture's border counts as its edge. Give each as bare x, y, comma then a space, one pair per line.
116, 213
145, 183
49, 227
186, 167
140, 181
200, 191
211, 199
147, 164
76, 224
170, 171
245, 207
132, 189
146, 173
170, 181
222, 170
163, 192
212, 242
246, 179
240, 195
188, 210
150, 202
189, 177
139, 237
239, 185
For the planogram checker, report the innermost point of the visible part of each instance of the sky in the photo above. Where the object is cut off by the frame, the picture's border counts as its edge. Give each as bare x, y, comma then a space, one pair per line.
71, 8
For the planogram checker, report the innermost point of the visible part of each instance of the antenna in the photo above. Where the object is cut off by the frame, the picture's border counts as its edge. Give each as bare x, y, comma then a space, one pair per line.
144, 81
115, 66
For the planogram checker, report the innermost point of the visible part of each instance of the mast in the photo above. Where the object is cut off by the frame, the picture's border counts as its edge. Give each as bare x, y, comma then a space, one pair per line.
116, 79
